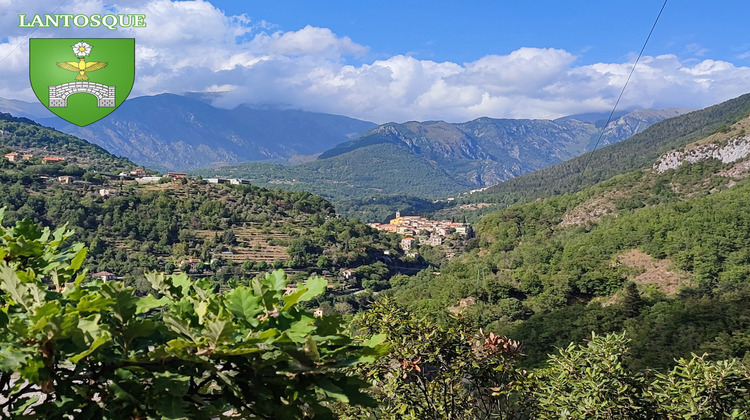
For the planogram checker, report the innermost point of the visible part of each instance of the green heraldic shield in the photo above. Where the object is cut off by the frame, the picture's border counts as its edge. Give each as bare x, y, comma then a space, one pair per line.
82, 80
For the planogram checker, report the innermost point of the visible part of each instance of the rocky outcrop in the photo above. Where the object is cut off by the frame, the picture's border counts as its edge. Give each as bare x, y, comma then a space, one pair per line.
733, 151
635, 122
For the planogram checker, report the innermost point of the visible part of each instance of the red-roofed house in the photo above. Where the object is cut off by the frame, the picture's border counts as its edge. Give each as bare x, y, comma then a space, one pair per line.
176, 175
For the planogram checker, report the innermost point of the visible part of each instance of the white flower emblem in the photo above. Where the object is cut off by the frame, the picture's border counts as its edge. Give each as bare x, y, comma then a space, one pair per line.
81, 49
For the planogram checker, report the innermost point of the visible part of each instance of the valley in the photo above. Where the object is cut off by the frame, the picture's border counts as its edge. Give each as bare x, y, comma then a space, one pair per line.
374, 211
644, 240
434, 160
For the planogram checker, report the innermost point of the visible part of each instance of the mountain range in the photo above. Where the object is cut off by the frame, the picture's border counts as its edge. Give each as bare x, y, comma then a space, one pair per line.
637, 152
173, 132
435, 159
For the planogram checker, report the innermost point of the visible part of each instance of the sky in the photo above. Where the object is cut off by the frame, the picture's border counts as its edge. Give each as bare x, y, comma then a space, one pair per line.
417, 60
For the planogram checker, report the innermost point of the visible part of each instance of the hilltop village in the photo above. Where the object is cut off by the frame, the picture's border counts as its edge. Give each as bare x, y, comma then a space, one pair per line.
422, 230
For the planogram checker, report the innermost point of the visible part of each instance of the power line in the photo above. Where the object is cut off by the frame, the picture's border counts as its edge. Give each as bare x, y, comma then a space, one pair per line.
632, 70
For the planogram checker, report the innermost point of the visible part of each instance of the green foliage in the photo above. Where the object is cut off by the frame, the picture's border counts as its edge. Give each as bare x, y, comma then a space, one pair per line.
700, 389
543, 332
87, 349
595, 381
373, 277
639, 151
591, 381
342, 243
436, 372
451, 372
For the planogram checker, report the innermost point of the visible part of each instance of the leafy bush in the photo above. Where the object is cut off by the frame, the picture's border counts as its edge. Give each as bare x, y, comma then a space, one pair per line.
591, 381
594, 381
71, 347
437, 372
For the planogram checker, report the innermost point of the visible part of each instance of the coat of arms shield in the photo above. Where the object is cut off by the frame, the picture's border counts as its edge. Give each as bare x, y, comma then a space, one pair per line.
81, 80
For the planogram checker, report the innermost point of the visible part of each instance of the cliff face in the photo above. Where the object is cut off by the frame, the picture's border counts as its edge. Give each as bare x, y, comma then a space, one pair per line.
734, 150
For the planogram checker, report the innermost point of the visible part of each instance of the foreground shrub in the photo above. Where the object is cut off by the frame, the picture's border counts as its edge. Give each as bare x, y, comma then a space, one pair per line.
71, 347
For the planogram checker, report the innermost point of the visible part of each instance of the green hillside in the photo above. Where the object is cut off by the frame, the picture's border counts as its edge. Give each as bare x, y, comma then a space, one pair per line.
379, 169
24, 135
206, 230
637, 152
226, 230
663, 256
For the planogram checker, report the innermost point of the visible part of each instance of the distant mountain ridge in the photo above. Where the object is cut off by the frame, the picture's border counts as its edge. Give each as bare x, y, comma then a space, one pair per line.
169, 131
486, 151
639, 151
664, 141
435, 159
32, 110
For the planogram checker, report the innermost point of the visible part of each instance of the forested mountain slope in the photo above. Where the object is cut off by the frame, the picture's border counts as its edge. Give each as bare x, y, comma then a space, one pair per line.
659, 252
435, 159
637, 152
24, 135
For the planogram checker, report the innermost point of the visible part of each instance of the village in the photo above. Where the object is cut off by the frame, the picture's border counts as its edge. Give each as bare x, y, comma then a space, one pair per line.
420, 230
254, 249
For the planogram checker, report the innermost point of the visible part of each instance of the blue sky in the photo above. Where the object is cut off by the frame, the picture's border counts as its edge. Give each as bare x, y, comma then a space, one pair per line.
465, 31
418, 60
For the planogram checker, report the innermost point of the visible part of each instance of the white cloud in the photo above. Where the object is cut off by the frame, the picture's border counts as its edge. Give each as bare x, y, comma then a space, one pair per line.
194, 46
308, 41
525, 69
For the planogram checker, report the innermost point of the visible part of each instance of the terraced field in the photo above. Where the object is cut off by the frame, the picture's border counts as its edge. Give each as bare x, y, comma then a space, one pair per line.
253, 243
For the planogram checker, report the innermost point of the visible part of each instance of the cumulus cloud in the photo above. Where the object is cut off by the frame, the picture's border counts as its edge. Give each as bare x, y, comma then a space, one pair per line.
194, 46
308, 41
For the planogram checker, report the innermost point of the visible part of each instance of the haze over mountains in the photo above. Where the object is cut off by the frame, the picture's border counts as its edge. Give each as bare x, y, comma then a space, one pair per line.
435, 159
179, 132
172, 132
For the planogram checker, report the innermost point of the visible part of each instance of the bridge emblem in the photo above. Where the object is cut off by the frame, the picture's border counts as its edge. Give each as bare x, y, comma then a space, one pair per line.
105, 95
